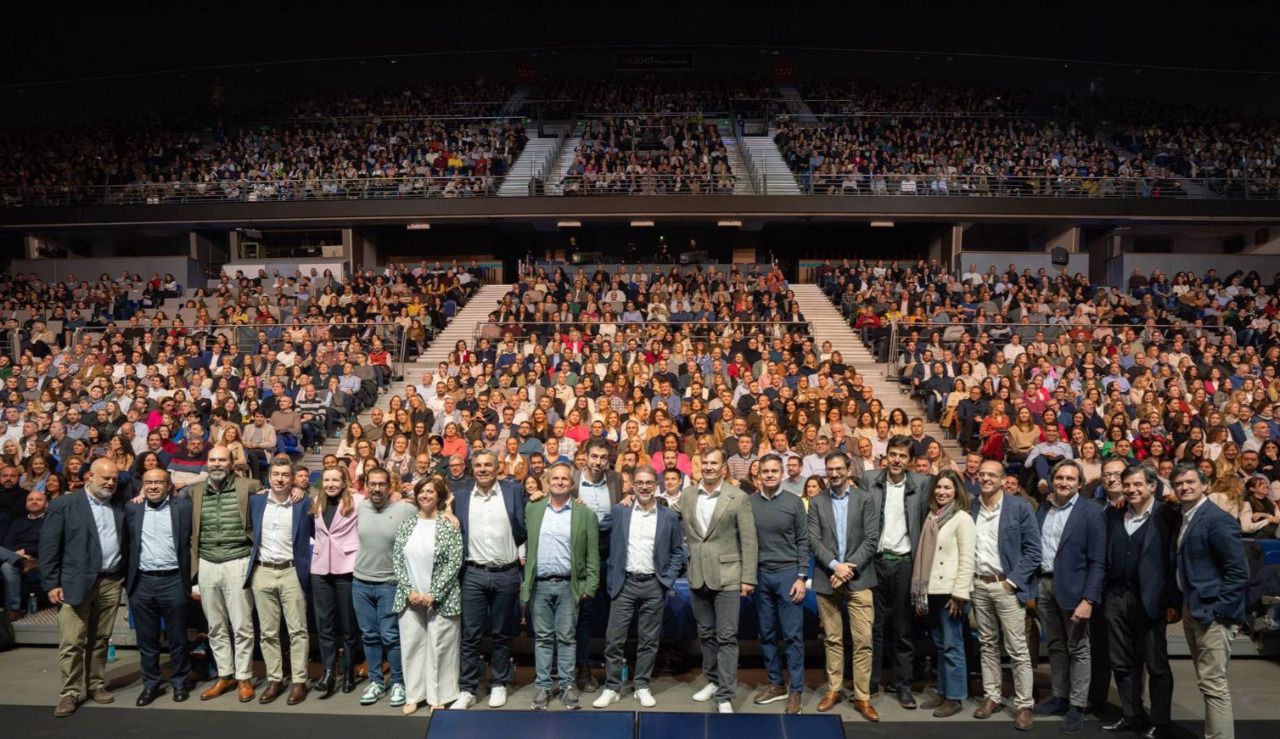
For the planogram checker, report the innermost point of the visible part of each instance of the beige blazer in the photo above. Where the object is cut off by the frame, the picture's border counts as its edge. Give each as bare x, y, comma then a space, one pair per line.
953, 560
725, 555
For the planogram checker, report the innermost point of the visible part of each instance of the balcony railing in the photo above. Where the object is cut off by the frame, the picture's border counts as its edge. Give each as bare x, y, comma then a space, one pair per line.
1037, 186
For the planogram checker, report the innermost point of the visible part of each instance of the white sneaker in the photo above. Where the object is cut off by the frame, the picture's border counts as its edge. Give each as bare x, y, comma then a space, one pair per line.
607, 698
725, 707
498, 696
707, 693
465, 701
646, 698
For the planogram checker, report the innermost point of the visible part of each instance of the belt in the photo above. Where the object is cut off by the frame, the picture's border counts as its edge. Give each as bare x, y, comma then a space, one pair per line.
494, 568
159, 573
277, 565
642, 576
989, 579
551, 578
1046, 575
891, 557
112, 575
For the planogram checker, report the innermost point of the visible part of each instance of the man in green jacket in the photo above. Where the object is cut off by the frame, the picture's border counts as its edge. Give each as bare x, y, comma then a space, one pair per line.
562, 570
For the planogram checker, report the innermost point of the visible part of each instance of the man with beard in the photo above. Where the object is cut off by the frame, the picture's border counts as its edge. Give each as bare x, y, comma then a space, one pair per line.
82, 561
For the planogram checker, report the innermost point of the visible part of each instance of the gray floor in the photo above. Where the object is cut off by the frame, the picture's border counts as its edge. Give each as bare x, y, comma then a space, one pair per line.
29, 676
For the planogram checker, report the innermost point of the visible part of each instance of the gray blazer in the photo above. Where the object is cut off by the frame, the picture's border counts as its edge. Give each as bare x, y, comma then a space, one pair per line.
916, 500
726, 554
862, 539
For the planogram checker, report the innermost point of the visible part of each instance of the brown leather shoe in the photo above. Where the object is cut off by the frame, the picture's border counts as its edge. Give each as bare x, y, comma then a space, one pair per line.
67, 705
1024, 720
16, 615
246, 691
793, 703
769, 694
101, 696
947, 709
297, 694
987, 708
220, 686
867, 710
829, 701
274, 690
932, 702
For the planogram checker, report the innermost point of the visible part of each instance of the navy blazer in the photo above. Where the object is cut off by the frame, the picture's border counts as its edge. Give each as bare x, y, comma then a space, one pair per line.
1079, 565
180, 509
304, 527
1157, 586
668, 548
1019, 545
512, 496
70, 554
1212, 566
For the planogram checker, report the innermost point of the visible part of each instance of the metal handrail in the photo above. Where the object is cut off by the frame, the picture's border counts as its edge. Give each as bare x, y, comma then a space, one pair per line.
647, 184
1046, 185
725, 327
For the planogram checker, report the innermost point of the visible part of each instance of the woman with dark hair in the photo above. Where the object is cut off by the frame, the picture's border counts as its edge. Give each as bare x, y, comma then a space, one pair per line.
333, 559
941, 582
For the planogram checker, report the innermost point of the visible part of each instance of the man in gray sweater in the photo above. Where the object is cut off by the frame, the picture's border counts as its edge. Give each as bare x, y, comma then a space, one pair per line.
783, 534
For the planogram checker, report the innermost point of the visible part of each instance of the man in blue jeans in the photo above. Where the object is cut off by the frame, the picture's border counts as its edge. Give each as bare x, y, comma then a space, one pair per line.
374, 585
782, 529
562, 571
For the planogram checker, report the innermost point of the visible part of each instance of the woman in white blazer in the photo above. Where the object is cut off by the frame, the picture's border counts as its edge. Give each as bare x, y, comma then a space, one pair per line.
941, 581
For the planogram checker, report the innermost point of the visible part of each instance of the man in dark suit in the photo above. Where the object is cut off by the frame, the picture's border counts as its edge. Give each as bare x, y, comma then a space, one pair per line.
82, 561
647, 550
1141, 594
844, 530
491, 517
1212, 575
600, 488
158, 581
1006, 577
902, 499
279, 564
1073, 548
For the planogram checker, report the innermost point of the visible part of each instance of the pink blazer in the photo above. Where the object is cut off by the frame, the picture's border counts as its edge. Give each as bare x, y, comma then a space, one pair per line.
334, 552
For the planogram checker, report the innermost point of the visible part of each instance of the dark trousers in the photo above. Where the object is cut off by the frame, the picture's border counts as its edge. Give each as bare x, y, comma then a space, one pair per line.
644, 601
488, 599
1138, 642
335, 619
780, 619
1100, 645
894, 614
154, 599
587, 610
716, 613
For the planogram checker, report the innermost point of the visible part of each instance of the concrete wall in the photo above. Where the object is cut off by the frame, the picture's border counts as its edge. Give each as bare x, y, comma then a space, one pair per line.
187, 270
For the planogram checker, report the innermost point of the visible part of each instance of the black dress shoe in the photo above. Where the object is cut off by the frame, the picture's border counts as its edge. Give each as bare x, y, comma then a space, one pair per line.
1124, 724
148, 696
349, 680
181, 694
905, 698
327, 684
1157, 732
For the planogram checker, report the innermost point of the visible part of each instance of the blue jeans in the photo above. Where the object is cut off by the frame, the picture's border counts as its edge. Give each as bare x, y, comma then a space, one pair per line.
948, 637
780, 619
379, 628
10, 567
555, 624
490, 607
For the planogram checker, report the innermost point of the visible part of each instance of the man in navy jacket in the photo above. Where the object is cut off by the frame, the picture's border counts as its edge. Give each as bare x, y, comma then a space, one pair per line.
279, 564
647, 552
1006, 576
1073, 548
1212, 575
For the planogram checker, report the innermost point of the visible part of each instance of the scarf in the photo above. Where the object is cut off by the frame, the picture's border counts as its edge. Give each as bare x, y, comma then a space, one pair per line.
924, 555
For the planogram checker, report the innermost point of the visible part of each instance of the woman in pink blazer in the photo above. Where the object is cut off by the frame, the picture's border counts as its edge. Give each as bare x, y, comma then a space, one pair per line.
333, 560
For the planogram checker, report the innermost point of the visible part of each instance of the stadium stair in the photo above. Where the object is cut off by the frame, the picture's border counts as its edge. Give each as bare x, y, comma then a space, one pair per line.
778, 179
516, 183
796, 104
563, 162
742, 183
463, 326
829, 325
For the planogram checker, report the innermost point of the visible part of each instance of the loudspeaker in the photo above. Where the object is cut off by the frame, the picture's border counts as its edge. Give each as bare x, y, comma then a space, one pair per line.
694, 257
1060, 256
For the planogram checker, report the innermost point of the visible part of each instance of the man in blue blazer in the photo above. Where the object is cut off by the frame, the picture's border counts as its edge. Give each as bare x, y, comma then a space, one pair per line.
82, 559
491, 516
1212, 575
279, 563
1006, 576
1142, 597
647, 552
1073, 552
158, 580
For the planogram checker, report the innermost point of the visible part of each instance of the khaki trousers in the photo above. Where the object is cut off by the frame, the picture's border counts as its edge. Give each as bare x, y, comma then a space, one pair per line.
1000, 614
83, 633
861, 609
278, 593
228, 608
1211, 653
